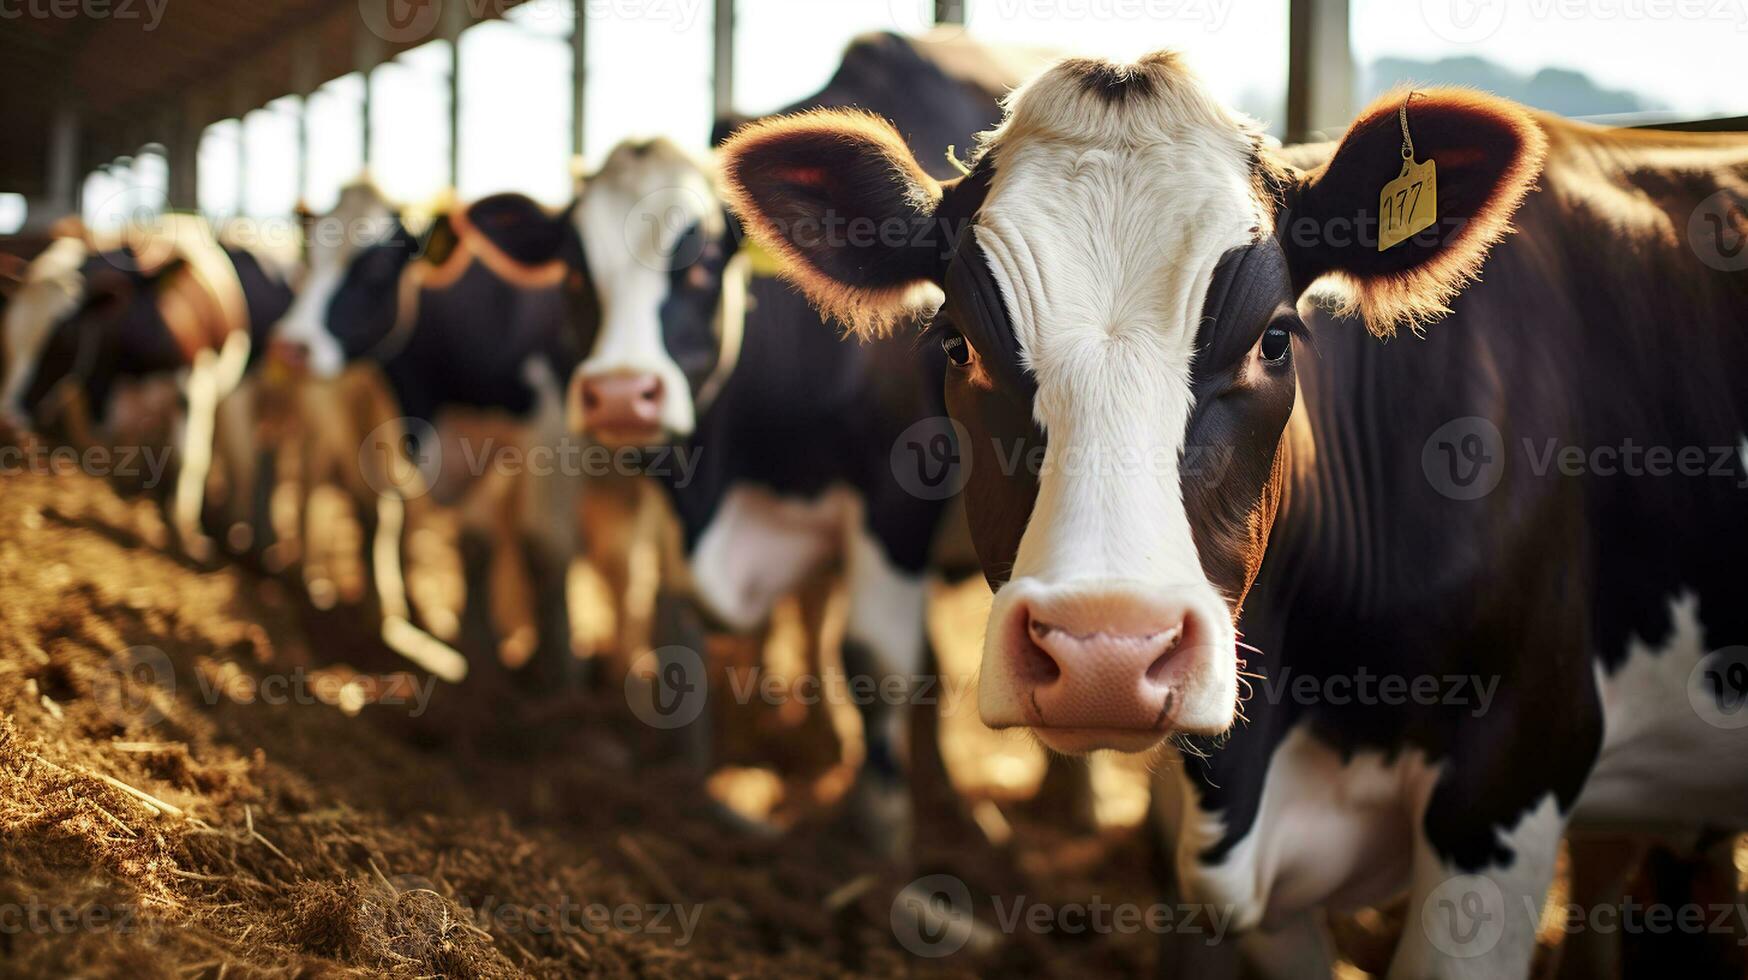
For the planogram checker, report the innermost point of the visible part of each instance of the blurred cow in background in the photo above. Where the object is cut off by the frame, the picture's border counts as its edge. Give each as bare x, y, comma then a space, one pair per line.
108, 338
792, 433
444, 350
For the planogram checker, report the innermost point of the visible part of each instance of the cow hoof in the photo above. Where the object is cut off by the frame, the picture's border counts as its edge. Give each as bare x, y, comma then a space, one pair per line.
240, 538
878, 812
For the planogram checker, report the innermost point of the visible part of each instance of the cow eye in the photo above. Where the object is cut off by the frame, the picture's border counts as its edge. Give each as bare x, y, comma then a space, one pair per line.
1276, 341
953, 344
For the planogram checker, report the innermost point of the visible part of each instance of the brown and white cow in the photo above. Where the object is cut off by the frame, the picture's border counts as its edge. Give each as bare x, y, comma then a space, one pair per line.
1213, 512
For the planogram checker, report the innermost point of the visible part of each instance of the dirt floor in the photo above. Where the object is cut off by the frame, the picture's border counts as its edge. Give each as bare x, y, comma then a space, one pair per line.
200, 775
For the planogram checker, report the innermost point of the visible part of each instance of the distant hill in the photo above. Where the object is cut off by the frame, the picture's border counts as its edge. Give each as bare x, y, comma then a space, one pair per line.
1561, 90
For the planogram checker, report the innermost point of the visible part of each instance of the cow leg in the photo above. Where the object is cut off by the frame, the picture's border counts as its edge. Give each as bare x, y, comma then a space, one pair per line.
1479, 924
196, 452
234, 444
1601, 868
885, 648
512, 584
1298, 948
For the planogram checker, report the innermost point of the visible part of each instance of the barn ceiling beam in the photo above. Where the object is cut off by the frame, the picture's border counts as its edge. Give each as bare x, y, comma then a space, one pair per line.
1320, 70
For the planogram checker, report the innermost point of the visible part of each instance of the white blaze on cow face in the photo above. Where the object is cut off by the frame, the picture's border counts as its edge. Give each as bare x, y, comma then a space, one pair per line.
633, 217
1103, 226
52, 290
360, 219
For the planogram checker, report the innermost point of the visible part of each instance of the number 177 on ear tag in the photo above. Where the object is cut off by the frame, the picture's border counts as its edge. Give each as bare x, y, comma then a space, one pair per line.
1408, 204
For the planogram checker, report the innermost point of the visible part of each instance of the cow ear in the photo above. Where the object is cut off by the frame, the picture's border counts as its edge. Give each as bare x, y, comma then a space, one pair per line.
440, 240
837, 196
1488, 153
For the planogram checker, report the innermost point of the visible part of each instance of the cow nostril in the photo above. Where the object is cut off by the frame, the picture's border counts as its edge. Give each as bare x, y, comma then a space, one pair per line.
1035, 662
651, 392
1171, 640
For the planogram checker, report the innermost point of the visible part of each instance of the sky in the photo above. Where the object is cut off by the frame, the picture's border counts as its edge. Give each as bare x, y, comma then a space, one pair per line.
649, 74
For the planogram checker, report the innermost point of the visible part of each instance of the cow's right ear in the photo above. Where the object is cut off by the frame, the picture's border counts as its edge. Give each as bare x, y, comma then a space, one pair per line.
840, 199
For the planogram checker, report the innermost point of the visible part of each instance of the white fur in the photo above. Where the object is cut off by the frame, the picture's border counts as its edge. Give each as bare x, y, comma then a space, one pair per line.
52, 290
1104, 226
360, 219
630, 215
760, 547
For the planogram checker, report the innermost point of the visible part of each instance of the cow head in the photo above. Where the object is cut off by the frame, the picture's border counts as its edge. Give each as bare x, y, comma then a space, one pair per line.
354, 255
1121, 267
660, 305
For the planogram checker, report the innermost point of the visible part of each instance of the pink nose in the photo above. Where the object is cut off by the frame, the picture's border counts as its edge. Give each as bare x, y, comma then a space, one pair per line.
622, 403
1107, 660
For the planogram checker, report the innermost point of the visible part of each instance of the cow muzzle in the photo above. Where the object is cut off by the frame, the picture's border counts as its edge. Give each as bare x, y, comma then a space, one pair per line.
1108, 665
621, 408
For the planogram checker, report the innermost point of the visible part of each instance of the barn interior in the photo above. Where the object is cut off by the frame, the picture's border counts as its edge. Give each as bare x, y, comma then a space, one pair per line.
314, 742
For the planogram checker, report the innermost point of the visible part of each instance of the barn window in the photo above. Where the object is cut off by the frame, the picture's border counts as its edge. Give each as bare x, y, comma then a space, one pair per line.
648, 76
1638, 63
219, 180
334, 126
409, 123
270, 148
516, 104
1239, 49
812, 37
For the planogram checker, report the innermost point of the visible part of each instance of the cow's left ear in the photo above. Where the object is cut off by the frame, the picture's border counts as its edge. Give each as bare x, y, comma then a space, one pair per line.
1488, 153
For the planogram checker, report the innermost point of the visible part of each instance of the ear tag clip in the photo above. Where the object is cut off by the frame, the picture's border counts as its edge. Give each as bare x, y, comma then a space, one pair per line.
1408, 205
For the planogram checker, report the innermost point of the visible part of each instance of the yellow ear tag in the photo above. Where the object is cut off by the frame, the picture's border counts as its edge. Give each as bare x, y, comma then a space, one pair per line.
1408, 205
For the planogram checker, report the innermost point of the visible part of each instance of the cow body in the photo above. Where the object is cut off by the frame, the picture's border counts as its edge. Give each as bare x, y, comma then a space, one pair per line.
1408, 608
168, 303
1587, 599
465, 325
789, 432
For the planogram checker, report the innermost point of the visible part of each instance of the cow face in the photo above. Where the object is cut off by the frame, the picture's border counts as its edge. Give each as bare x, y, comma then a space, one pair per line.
1121, 270
659, 302
362, 246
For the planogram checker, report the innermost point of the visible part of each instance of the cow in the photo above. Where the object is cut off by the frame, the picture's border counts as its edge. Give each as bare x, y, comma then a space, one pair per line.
789, 431
464, 319
169, 302
1221, 500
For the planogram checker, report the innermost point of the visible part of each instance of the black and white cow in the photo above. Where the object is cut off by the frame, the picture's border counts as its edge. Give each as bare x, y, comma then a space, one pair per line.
1124, 270
165, 302
467, 317
788, 432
